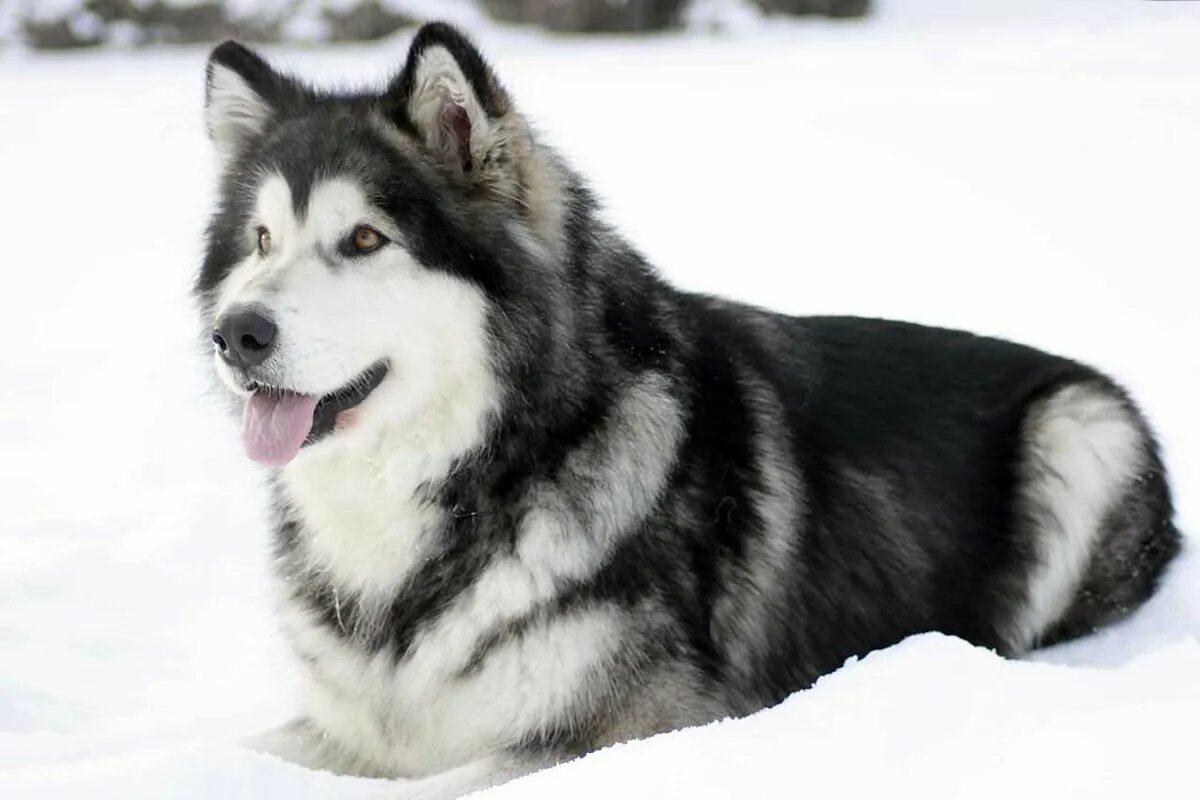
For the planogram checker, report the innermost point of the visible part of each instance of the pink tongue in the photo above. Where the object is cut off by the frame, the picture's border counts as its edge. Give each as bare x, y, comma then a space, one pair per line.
275, 424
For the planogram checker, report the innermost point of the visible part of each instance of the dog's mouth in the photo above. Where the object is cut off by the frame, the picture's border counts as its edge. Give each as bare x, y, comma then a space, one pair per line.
277, 422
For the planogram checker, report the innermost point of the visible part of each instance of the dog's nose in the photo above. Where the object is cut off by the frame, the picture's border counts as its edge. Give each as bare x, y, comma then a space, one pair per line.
244, 336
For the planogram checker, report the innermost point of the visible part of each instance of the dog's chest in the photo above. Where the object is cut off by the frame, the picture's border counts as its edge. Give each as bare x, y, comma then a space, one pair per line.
435, 708
480, 668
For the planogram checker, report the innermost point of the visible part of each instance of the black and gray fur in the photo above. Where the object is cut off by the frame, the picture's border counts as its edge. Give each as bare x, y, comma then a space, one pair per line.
749, 498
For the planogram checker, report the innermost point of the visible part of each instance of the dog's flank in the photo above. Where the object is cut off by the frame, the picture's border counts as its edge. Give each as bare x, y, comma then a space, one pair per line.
573, 505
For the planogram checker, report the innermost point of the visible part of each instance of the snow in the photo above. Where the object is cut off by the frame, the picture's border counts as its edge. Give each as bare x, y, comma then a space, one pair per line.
1015, 169
932, 715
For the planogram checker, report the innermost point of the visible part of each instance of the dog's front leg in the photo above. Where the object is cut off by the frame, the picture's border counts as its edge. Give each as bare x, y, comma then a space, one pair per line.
302, 743
473, 777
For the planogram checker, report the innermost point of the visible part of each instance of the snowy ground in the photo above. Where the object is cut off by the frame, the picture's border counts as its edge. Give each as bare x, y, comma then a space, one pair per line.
1014, 170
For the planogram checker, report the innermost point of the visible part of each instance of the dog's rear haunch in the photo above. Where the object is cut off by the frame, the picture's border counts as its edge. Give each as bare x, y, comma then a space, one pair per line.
532, 500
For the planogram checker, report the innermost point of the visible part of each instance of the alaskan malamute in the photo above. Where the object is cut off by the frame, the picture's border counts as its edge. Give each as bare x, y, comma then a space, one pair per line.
532, 500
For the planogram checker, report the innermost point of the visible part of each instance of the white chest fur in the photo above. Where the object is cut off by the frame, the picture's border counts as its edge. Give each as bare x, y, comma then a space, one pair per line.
424, 714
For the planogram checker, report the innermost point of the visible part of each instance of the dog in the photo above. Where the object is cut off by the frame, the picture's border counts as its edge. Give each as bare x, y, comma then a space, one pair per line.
531, 500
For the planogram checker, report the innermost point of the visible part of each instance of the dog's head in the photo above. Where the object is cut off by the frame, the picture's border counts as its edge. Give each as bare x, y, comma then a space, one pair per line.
374, 255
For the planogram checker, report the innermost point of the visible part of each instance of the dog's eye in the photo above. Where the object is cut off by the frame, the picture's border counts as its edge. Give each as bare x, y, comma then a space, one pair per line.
366, 239
264, 242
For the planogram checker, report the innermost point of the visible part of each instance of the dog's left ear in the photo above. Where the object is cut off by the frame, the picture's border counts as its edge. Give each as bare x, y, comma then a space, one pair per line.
449, 96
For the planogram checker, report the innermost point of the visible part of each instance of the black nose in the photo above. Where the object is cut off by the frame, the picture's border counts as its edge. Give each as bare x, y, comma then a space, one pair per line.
244, 336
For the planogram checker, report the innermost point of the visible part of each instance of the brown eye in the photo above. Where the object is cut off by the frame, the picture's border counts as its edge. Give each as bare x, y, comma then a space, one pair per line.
264, 242
367, 239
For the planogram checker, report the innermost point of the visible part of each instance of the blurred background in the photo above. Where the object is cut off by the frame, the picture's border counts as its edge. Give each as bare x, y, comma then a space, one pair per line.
1017, 168
58, 24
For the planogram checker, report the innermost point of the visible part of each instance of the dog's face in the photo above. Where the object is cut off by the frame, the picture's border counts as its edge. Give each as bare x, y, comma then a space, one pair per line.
362, 246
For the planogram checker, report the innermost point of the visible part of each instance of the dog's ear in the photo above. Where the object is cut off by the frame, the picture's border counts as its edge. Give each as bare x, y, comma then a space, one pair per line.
449, 96
242, 94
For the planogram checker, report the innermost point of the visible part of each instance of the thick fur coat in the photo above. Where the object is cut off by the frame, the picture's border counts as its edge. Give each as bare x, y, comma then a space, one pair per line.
532, 500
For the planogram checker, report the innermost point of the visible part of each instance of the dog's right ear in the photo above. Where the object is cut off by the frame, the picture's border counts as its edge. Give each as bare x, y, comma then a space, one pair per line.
242, 94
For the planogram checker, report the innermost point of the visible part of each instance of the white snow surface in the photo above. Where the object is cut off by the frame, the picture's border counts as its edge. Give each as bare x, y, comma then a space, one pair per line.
1021, 170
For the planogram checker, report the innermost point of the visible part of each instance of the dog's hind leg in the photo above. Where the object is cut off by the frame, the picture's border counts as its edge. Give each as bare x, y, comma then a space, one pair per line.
1093, 510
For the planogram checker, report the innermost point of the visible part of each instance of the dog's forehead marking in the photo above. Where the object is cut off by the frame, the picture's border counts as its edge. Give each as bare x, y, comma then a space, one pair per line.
335, 205
274, 208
